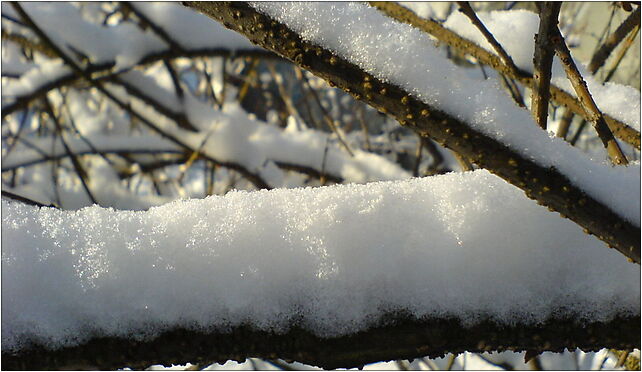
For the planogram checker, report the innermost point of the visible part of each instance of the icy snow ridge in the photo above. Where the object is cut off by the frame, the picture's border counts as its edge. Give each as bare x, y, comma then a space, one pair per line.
467, 245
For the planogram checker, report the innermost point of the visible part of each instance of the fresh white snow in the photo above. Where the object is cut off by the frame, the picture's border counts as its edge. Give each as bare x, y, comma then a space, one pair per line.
402, 55
463, 244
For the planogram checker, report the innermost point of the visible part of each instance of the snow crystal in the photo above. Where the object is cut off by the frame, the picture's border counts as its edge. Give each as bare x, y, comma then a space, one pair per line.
467, 245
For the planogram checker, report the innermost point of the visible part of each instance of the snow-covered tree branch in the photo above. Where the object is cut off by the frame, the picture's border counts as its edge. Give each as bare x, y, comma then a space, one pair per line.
543, 177
446, 33
161, 199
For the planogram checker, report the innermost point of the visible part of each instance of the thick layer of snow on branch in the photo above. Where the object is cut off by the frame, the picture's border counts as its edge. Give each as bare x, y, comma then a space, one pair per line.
402, 55
515, 31
467, 245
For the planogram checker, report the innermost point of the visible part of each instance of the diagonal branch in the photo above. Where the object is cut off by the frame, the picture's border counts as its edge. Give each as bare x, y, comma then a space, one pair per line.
465, 8
25, 200
402, 14
595, 115
159, 31
605, 50
543, 60
80, 170
544, 184
625, 47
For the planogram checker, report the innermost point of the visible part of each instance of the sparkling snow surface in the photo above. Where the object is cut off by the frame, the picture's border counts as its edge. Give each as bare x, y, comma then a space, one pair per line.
464, 244
405, 56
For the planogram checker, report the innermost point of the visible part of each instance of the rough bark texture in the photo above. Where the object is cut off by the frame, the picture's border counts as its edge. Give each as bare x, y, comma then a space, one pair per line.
464, 46
396, 338
544, 184
543, 60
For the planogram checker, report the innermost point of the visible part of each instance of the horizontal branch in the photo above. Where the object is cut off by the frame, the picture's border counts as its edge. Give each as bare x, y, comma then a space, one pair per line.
396, 338
402, 14
547, 185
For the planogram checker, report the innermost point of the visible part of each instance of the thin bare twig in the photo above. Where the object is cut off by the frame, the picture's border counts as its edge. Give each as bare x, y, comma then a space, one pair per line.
249, 79
280, 364
436, 166
175, 79
402, 365
306, 97
565, 124
159, 31
326, 116
72, 123
283, 92
23, 199
80, 170
465, 8
513, 89
14, 138
543, 60
613, 41
622, 357
625, 47
451, 361
104, 69
578, 132
364, 126
208, 78
415, 170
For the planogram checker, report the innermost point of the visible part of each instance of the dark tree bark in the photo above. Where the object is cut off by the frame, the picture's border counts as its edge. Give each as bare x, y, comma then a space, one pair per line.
543, 60
398, 337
